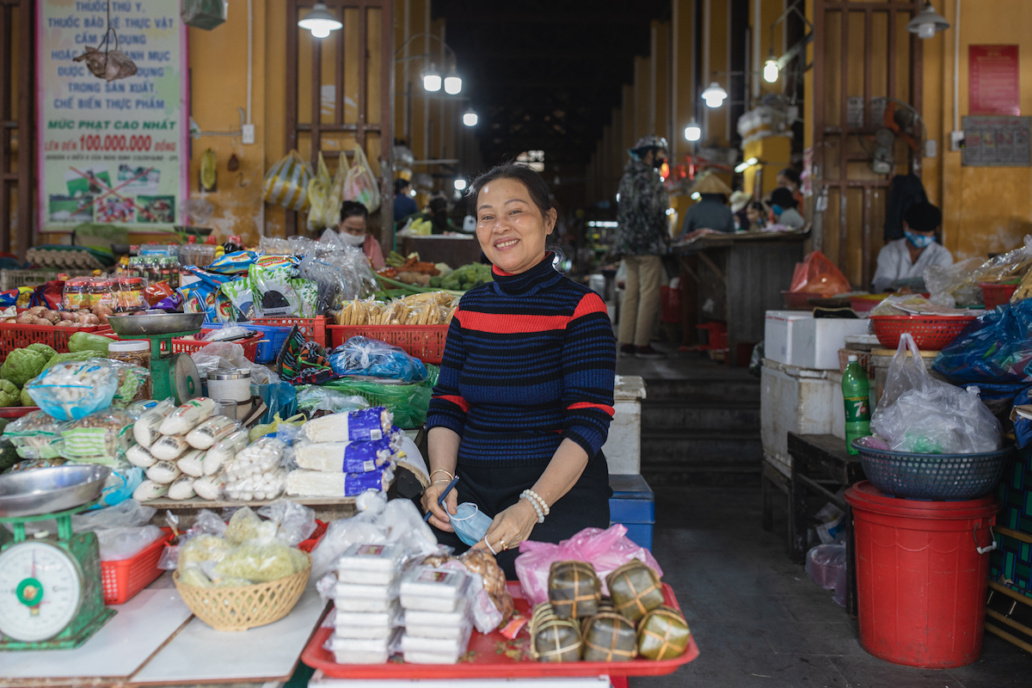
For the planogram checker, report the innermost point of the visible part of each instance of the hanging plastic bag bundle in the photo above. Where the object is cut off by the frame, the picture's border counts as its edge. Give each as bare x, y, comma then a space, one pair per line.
360, 184
818, 275
919, 414
318, 191
286, 182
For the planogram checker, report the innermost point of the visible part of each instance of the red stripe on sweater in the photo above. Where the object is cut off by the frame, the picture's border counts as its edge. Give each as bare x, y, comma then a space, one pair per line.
591, 303
455, 399
510, 324
587, 404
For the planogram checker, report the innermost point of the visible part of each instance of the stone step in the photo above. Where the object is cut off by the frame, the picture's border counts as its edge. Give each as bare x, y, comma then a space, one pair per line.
689, 391
730, 418
700, 448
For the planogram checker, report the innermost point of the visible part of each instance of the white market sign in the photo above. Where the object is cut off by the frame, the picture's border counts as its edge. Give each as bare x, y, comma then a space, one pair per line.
112, 152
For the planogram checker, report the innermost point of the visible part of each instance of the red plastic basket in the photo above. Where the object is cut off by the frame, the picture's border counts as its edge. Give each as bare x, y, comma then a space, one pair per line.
425, 342
188, 346
994, 295
313, 328
14, 336
124, 578
930, 332
16, 411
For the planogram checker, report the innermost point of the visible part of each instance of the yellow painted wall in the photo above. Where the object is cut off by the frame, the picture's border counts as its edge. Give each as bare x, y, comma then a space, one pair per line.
985, 209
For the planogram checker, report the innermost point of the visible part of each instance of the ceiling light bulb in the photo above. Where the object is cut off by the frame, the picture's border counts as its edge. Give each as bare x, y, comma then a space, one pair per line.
469, 118
770, 70
693, 132
432, 80
319, 21
714, 95
460, 184
927, 23
452, 84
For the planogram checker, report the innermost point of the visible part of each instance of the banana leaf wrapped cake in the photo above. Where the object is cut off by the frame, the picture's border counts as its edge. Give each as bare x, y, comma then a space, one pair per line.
635, 589
553, 639
573, 589
609, 637
663, 634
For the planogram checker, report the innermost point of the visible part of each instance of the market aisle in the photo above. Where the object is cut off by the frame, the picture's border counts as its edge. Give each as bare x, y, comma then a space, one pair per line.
759, 621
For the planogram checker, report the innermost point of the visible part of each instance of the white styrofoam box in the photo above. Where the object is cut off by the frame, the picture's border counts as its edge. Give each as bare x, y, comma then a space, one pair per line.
799, 400
821, 338
623, 445
779, 334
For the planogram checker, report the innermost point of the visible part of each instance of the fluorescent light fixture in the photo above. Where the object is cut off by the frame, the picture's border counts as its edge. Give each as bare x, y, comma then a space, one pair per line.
927, 23
460, 184
469, 118
696, 196
743, 166
412, 193
670, 211
452, 84
693, 132
714, 95
770, 68
319, 21
602, 223
431, 80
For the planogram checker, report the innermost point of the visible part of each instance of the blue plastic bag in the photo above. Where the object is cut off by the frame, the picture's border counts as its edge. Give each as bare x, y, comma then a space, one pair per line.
373, 358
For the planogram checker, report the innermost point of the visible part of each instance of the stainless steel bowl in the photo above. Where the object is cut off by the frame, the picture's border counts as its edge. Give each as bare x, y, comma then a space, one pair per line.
155, 323
48, 490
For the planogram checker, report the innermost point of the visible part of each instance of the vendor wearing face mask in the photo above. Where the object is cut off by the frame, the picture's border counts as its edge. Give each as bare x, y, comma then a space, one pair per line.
909, 257
352, 229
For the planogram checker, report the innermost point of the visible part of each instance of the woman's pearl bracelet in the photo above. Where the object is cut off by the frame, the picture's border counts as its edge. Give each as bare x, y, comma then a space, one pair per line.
534, 499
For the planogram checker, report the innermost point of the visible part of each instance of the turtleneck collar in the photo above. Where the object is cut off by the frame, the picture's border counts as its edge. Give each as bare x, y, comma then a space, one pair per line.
538, 277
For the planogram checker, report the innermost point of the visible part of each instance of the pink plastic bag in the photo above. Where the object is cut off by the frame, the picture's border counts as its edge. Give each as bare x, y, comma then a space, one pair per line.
606, 550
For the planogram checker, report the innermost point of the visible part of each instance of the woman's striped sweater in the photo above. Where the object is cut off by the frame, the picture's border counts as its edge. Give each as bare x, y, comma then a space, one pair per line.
529, 361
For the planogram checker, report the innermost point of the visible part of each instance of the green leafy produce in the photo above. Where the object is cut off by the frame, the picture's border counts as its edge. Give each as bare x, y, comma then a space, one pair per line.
3, 425
25, 399
84, 341
10, 395
77, 356
467, 277
8, 455
43, 349
21, 366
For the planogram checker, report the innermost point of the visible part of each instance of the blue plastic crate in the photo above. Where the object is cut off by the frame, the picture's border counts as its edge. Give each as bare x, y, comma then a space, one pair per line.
640, 534
633, 506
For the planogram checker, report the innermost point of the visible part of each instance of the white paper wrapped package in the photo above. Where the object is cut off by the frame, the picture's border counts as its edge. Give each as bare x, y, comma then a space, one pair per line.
345, 457
350, 426
926, 416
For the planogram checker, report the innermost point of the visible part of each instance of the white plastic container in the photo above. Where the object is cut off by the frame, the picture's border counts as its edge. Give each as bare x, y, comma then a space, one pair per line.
370, 564
350, 597
426, 589
419, 650
346, 619
355, 651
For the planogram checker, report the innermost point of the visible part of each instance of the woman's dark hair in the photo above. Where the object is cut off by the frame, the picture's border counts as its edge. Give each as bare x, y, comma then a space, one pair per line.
400, 184
791, 174
722, 198
352, 209
536, 186
783, 197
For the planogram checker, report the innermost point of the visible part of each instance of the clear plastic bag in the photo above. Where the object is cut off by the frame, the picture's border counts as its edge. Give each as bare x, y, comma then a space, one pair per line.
73, 390
371, 357
606, 550
818, 275
230, 356
127, 514
329, 281
919, 414
314, 398
122, 543
295, 522
101, 437
1010, 266
954, 285
824, 563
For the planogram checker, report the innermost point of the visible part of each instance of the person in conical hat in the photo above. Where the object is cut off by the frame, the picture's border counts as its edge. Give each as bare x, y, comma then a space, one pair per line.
711, 212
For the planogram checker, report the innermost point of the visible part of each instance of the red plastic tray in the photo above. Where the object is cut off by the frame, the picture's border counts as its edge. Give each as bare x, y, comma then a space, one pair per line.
488, 662
16, 411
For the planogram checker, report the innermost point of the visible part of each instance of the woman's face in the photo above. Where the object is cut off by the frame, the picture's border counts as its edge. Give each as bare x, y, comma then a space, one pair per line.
354, 225
510, 228
753, 214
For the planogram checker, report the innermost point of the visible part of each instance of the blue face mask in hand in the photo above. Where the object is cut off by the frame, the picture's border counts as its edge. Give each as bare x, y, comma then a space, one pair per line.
470, 523
919, 240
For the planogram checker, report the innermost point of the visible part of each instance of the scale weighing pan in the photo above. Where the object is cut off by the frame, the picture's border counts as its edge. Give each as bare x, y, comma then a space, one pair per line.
155, 324
50, 490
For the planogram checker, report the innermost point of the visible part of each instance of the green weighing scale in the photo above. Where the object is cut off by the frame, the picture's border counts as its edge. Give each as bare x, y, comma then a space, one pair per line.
172, 375
51, 593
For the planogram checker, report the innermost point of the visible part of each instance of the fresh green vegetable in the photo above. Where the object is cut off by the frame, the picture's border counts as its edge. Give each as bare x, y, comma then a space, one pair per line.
467, 277
84, 341
77, 356
9, 394
8, 457
3, 425
47, 352
21, 366
26, 400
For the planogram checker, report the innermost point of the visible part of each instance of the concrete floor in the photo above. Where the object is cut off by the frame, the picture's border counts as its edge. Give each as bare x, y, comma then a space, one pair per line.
759, 621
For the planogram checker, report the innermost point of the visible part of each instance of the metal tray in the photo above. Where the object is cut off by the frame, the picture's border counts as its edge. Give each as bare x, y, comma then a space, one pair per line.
155, 324
49, 490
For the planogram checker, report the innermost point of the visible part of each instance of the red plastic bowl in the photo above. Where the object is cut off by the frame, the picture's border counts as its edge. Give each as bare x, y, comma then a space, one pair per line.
930, 332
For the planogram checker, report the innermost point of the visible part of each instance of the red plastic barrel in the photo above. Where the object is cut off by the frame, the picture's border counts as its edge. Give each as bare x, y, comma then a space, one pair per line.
921, 581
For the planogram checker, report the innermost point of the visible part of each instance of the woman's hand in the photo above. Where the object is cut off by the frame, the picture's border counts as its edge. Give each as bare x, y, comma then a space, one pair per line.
509, 528
438, 515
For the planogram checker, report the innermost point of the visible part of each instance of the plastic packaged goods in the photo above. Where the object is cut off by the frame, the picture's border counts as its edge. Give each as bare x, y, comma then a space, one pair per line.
164, 473
182, 488
138, 456
121, 543
302, 483
145, 429
352, 426
448, 632
349, 597
223, 451
370, 564
35, 436
362, 356
209, 487
73, 390
192, 463
188, 416
427, 589
419, 650
345, 620
148, 490
352, 651
205, 435
345, 457
255, 473
439, 620
101, 437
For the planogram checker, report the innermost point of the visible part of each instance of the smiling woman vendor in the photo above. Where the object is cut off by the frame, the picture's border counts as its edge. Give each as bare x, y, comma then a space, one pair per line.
525, 394
918, 250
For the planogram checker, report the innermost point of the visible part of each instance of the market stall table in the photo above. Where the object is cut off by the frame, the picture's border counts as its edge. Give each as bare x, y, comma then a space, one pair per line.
821, 465
326, 508
740, 277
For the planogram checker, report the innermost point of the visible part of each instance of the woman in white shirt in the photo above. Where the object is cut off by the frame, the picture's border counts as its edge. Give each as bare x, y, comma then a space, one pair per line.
918, 250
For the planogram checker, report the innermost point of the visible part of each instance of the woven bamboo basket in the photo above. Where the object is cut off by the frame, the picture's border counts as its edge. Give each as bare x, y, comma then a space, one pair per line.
248, 606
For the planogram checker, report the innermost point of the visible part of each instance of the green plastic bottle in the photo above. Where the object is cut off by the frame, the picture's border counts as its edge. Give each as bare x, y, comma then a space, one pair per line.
855, 392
